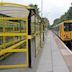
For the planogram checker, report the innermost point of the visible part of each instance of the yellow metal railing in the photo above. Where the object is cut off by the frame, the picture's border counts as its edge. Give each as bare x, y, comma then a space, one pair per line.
13, 48
19, 35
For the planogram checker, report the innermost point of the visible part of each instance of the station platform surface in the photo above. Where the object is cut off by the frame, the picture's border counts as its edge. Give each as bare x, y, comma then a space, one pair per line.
51, 59
54, 57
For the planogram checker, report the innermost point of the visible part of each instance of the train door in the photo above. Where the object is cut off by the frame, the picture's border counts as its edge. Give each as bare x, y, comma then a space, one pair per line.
70, 28
67, 31
62, 31
71, 32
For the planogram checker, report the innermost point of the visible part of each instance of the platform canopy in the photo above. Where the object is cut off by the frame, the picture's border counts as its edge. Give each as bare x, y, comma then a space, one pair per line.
14, 10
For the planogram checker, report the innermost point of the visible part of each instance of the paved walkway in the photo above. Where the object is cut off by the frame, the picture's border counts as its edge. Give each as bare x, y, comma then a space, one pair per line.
51, 59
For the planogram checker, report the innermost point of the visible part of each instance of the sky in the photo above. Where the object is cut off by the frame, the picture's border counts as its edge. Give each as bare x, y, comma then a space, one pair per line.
52, 9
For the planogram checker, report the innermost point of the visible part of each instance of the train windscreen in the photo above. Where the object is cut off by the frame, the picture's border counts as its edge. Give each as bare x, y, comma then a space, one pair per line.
68, 26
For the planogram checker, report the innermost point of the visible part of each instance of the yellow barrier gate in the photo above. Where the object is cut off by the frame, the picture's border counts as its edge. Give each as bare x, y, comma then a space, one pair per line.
19, 26
13, 41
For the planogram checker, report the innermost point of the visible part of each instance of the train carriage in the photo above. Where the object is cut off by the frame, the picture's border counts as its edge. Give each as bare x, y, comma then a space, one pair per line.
64, 31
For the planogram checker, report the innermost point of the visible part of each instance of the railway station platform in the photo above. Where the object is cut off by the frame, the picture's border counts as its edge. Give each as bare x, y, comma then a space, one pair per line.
51, 59
54, 57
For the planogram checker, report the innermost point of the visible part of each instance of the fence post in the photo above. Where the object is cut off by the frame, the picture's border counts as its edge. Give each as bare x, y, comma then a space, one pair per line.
29, 40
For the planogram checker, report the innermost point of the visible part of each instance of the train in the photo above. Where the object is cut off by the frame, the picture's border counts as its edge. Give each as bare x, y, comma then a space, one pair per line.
64, 31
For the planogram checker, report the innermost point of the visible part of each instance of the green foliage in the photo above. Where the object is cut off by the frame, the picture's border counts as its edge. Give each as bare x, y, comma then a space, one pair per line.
43, 20
46, 22
36, 8
66, 16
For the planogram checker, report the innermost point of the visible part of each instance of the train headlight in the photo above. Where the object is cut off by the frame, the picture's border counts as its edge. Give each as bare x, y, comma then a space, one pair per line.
66, 37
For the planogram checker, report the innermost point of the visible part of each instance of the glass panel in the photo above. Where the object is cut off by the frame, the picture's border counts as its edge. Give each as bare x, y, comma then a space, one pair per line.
37, 28
67, 26
1, 29
8, 41
1, 40
13, 58
37, 41
22, 46
13, 26
33, 27
23, 26
70, 26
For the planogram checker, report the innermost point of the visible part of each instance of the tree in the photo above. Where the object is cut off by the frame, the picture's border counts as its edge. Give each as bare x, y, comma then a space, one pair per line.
36, 8
66, 16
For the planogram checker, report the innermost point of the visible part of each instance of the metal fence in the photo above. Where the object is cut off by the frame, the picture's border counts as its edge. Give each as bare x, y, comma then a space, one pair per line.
17, 36
13, 39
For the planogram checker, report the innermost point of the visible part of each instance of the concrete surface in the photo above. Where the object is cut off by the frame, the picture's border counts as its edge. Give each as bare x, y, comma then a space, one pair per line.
51, 58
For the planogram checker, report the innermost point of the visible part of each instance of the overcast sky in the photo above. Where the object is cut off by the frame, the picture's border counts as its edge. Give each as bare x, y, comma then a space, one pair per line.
52, 9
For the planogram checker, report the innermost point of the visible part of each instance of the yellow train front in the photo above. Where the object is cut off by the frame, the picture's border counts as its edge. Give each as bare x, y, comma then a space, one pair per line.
64, 31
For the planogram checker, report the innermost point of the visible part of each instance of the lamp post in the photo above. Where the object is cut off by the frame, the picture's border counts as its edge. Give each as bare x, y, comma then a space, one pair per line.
71, 4
41, 7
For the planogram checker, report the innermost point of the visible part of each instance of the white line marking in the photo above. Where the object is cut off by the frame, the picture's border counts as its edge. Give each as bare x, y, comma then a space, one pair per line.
66, 48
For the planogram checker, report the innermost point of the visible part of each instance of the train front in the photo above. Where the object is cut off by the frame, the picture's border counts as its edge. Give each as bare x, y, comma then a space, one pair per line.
67, 31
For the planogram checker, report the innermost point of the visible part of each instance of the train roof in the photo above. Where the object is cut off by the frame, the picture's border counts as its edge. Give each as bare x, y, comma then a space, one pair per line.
14, 10
67, 21
62, 23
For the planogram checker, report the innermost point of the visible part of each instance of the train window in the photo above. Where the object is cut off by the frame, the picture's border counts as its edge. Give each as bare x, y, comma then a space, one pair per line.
70, 26
66, 27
